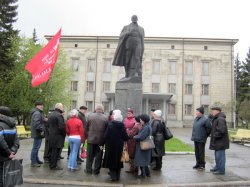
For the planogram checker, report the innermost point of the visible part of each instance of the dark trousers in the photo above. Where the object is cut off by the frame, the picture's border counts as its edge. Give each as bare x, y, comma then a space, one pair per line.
158, 162
94, 152
55, 153
47, 150
145, 171
199, 148
115, 173
1, 174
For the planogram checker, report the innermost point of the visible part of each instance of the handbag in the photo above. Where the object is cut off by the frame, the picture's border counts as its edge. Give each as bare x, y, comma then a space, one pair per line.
166, 132
84, 153
12, 173
125, 156
147, 144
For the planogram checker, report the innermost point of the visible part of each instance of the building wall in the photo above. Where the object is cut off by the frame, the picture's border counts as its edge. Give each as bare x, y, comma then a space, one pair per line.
162, 51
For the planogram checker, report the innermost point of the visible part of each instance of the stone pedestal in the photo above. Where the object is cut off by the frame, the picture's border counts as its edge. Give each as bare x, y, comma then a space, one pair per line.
128, 95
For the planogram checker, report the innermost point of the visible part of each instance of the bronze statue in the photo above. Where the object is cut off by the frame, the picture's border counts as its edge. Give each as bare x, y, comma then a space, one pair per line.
130, 50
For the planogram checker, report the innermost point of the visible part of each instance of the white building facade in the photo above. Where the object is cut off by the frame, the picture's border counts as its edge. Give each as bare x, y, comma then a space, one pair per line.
179, 74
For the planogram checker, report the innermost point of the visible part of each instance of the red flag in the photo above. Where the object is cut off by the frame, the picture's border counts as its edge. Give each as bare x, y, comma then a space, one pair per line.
41, 65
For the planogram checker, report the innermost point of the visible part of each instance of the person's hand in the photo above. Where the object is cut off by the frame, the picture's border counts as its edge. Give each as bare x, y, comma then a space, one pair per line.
101, 147
12, 155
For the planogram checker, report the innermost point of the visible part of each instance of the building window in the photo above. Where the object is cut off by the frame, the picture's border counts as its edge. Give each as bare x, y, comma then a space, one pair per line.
205, 68
90, 86
206, 109
172, 67
172, 47
106, 107
205, 47
75, 63
188, 89
107, 65
108, 45
73, 104
172, 88
156, 66
171, 109
89, 105
205, 89
91, 65
76, 45
74, 85
189, 68
105, 86
155, 87
188, 110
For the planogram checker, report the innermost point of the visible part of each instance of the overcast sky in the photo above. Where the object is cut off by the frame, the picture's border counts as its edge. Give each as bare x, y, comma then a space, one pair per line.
168, 18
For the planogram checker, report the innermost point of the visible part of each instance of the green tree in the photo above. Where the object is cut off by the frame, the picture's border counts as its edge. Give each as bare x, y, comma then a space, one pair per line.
244, 113
20, 96
243, 87
8, 13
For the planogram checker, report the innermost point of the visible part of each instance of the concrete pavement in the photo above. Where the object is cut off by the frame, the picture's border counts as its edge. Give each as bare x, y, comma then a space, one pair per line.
177, 169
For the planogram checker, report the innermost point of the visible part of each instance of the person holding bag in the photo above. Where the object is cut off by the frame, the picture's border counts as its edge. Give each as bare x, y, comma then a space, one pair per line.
9, 142
143, 157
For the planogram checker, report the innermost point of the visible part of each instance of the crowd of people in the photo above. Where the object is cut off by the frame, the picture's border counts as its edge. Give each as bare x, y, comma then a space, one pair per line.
106, 137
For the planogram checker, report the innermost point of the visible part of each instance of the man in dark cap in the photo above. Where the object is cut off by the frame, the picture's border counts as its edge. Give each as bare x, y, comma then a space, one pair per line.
219, 141
9, 142
201, 130
37, 132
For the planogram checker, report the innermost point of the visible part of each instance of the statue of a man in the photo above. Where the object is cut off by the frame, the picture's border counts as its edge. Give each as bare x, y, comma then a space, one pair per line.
130, 50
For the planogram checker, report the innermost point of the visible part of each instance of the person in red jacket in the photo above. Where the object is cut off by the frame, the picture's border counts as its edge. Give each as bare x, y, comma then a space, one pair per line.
75, 131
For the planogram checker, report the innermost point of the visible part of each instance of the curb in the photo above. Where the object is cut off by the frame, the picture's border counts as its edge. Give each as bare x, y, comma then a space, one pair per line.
98, 184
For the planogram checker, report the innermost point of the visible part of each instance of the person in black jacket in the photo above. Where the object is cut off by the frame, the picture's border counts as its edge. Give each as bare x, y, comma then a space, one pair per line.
9, 142
57, 134
115, 136
219, 141
157, 132
37, 132
200, 132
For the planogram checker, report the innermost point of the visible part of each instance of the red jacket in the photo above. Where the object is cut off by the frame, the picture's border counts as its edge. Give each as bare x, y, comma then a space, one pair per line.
74, 126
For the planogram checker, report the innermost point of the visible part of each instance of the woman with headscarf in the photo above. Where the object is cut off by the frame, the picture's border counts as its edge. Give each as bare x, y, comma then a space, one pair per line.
75, 131
115, 136
143, 157
159, 141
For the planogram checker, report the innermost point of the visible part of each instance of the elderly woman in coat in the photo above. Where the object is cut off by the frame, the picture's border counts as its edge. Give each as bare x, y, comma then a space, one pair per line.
115, 136
143, 157
157, 133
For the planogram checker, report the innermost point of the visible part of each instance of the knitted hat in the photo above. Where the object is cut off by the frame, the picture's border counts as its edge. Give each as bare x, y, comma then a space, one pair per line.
5, 111
158, 113
117, 115
130, 110
200, 109
145, 118
216, 108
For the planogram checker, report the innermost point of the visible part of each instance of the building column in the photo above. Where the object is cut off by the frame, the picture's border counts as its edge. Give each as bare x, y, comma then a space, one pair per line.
146, 104
164, 109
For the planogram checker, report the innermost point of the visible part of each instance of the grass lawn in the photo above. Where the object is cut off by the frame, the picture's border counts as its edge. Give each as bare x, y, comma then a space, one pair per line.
172, 145
176, 145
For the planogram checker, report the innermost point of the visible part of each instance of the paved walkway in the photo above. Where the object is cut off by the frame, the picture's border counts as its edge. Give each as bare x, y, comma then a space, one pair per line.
177, 169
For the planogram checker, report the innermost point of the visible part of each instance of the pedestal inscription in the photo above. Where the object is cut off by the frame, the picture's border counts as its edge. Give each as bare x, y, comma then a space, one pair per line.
128, 95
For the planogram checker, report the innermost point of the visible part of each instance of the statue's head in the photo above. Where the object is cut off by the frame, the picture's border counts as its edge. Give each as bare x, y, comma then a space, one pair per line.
134, 18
